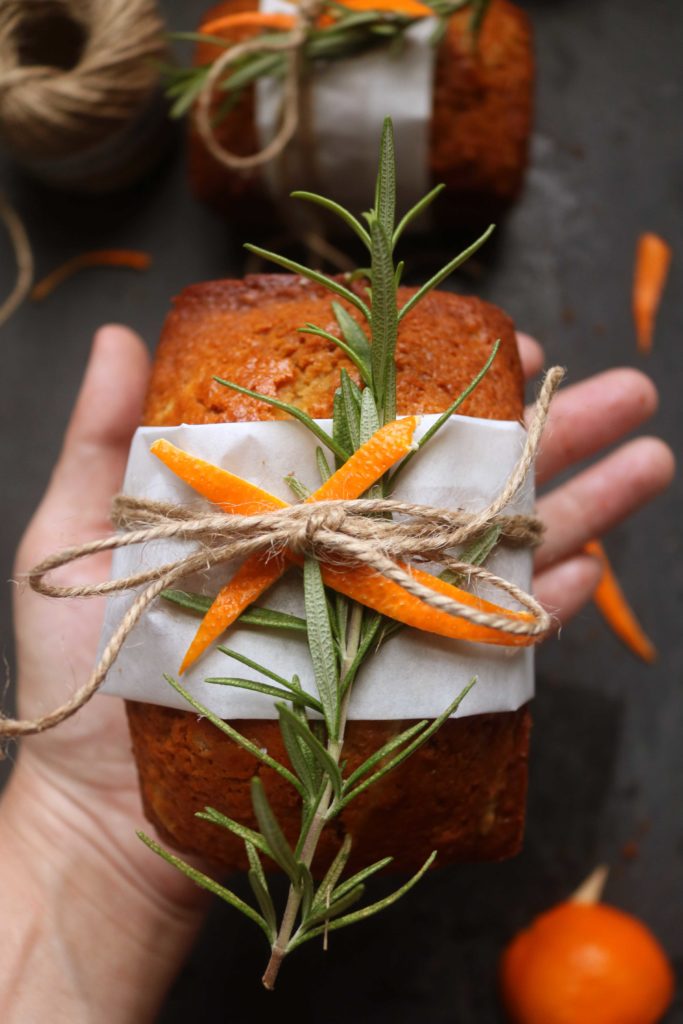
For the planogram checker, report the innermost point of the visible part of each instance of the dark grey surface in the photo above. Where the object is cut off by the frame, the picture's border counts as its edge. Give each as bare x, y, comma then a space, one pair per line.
607, 763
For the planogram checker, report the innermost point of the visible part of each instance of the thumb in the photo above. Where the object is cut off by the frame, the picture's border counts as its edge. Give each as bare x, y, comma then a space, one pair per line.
93, 457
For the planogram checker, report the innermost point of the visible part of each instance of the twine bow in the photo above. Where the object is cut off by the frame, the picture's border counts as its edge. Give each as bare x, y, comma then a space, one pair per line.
339, 533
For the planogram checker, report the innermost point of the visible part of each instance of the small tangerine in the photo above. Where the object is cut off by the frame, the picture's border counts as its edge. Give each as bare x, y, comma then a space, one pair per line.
586, 964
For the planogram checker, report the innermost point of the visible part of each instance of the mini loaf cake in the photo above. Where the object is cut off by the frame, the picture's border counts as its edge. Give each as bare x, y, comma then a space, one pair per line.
463, 793
480, 129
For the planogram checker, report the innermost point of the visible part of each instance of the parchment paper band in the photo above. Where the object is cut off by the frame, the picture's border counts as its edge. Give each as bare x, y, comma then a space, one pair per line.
417, 674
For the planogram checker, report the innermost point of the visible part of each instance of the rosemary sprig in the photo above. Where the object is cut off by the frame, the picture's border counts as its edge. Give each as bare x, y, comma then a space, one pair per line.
340, 633
265, 617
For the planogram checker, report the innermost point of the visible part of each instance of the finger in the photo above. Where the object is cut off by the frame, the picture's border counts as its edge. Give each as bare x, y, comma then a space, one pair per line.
591, 415
595, 500
531, 355
92, 461
566, 587
109, 404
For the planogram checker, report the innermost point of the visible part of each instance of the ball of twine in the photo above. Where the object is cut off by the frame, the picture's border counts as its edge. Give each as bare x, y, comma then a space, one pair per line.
75, 74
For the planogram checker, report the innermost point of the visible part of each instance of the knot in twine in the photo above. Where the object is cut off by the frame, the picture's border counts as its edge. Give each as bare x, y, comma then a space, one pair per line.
292, 44
74, 72
309, 537
354, 532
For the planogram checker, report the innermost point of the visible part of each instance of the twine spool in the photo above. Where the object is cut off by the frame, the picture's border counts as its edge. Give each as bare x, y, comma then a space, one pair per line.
80, 99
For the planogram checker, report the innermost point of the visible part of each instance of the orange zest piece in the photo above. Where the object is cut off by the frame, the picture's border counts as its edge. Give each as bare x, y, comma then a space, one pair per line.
131, 259
253, 577
615, 609
653, 258
412, 8
219, 486
256, 575
386, 446
409, 8
248, 19
375, 591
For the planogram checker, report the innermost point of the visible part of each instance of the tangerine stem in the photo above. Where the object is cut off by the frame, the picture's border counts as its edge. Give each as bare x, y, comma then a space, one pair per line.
591, 890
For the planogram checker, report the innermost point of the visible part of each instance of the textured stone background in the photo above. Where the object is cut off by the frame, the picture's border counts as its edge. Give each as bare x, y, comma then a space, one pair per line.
607, 765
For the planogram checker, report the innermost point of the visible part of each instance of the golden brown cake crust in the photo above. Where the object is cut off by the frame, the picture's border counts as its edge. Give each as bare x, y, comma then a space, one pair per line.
246, 331
482, 112
463, 793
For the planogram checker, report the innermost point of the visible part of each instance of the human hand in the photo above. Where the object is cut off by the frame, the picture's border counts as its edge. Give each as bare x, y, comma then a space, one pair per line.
584, 419
75, 791
110, 923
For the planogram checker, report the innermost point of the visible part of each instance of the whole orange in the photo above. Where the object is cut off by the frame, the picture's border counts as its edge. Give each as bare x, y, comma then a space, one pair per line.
586, 964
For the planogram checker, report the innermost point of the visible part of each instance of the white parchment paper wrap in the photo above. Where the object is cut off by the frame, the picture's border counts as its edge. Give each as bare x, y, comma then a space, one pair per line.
415, 674
349, 100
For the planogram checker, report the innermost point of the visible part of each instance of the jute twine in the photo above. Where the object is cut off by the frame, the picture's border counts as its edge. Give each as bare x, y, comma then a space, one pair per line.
79, 100
334, 532
292, 44
24, 258
48, 112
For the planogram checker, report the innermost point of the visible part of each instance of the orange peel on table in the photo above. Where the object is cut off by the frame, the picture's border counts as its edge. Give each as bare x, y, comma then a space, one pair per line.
131, 259
611, 602
653, 259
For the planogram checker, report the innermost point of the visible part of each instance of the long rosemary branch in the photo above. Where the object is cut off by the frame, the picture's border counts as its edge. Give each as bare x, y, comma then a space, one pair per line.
340, 634
311, 835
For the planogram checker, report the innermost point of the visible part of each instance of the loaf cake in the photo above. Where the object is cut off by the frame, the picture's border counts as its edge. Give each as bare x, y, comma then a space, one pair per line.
463, 793
479, 136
